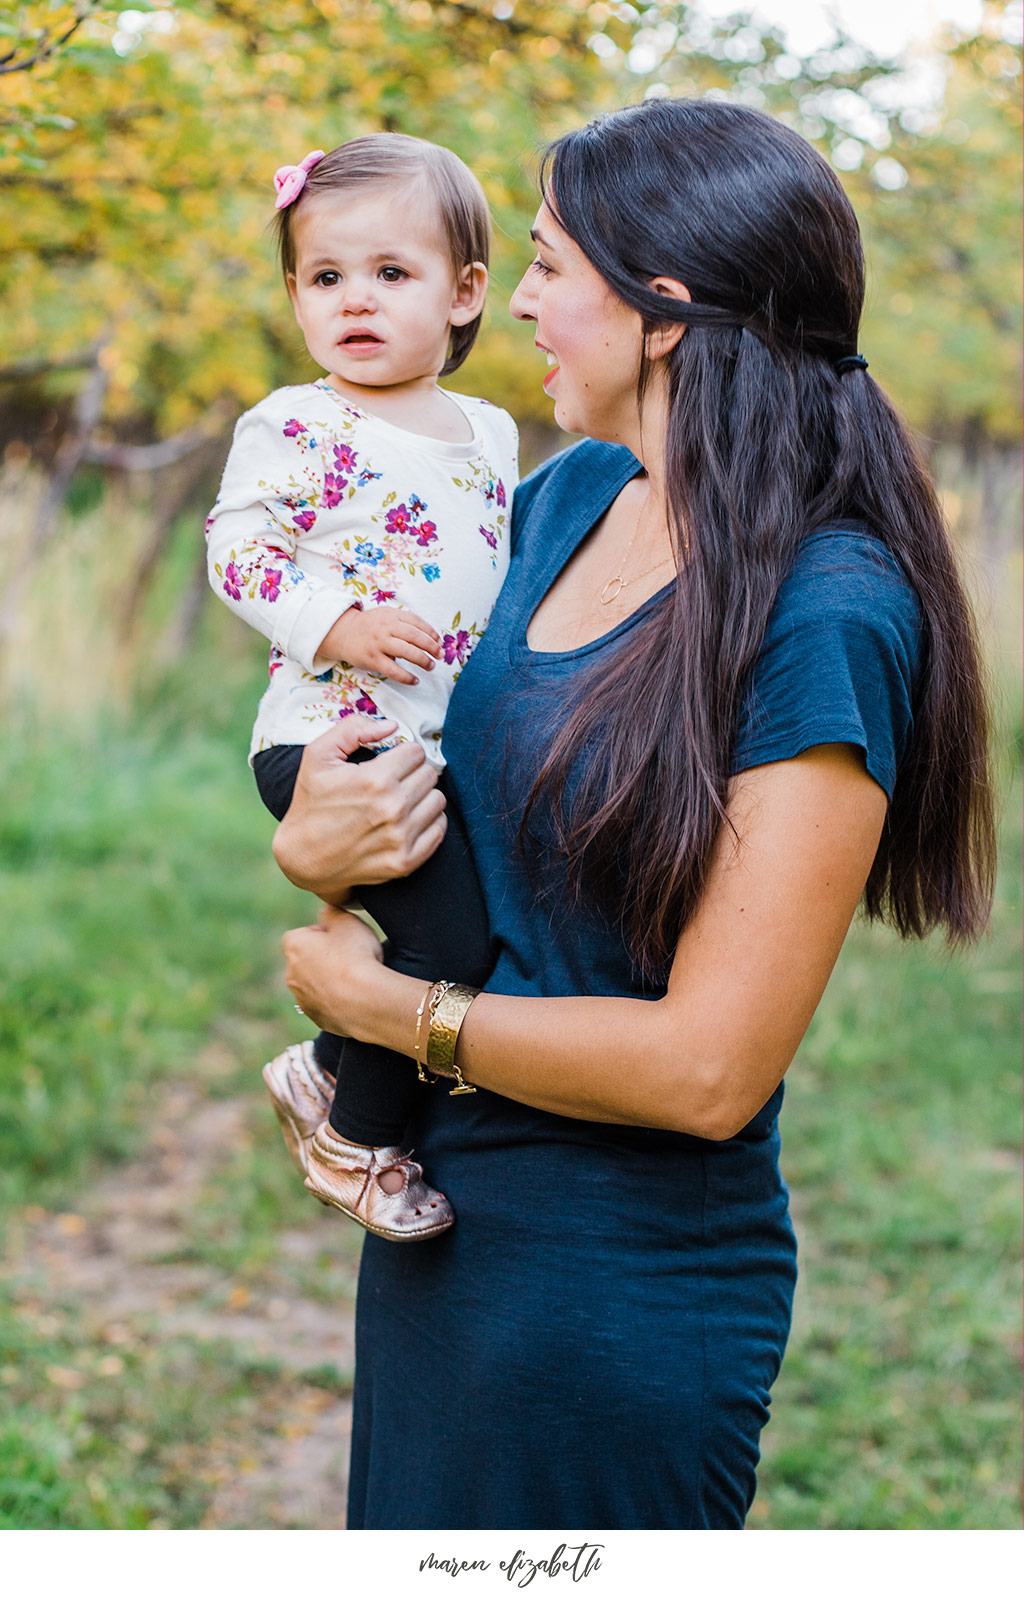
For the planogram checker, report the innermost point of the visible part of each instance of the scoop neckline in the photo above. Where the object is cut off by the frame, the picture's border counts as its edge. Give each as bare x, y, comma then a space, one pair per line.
445, 449
519, 648
523, 652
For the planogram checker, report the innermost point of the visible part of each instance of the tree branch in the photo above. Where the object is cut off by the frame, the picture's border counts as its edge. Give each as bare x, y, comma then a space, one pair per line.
39, 366
9, 64
150, 457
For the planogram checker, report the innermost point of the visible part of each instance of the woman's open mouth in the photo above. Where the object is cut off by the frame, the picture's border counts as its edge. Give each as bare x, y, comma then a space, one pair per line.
552, 361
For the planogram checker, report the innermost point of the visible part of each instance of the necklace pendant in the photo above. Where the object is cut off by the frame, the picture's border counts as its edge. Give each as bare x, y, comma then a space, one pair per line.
611, 591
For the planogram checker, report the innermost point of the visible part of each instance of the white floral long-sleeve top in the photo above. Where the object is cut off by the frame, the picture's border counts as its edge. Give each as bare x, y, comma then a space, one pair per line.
323, 506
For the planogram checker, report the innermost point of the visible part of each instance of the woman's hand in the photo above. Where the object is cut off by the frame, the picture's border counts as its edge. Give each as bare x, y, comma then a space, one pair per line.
327, 966
363, 822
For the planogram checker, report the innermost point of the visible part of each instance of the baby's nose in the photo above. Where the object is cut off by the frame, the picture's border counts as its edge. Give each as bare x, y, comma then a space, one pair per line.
359, 295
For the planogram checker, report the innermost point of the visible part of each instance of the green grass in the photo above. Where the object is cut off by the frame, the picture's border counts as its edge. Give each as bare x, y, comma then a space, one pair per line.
141, 935
123, 1435
140, 945
899, 1402
141, 906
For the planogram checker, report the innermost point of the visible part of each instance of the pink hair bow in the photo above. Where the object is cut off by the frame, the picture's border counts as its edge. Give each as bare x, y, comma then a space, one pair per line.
290, 181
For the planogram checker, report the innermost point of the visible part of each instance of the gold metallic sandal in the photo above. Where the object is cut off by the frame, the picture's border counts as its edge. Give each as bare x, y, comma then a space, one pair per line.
301, 1092
348, 1176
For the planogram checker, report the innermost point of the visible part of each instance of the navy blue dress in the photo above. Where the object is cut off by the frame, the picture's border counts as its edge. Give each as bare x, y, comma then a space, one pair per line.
592, 1346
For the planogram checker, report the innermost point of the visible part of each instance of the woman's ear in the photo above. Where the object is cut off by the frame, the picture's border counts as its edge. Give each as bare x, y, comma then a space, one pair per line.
469, 294
665, 338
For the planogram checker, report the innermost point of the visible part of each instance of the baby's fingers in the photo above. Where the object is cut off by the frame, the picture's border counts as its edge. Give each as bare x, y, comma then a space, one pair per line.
410, 651
420, 632
387, 667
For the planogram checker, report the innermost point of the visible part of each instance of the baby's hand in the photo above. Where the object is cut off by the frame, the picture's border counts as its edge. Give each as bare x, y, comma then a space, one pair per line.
374, 640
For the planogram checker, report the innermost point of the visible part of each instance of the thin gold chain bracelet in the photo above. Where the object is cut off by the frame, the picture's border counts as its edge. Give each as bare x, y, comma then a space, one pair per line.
419, 1029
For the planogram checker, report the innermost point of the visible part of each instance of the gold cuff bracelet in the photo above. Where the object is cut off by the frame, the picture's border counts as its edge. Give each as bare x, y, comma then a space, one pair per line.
447, 1009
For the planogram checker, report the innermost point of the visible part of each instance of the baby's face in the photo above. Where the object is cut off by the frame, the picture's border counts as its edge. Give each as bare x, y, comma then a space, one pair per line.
374, 289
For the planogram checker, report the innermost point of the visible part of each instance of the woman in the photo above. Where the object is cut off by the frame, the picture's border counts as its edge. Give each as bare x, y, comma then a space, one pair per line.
730, 688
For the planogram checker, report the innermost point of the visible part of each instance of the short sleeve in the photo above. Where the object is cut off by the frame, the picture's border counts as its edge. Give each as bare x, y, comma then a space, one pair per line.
841, 659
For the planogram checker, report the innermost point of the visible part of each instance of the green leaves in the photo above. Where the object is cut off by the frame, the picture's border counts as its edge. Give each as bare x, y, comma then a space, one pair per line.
136, 161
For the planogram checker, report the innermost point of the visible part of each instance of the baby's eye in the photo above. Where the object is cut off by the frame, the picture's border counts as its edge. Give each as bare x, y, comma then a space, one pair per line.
393, 274
328, 280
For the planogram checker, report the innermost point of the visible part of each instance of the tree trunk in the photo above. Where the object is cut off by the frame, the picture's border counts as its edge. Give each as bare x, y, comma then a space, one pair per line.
88, 408
172, 505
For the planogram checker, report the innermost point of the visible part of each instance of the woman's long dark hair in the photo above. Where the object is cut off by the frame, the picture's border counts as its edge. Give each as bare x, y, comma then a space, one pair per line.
765, 442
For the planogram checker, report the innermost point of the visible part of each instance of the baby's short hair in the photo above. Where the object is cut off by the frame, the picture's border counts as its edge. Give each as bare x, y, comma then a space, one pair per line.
376, 159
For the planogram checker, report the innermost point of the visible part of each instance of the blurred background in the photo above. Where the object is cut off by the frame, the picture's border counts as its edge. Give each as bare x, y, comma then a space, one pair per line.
175, 1314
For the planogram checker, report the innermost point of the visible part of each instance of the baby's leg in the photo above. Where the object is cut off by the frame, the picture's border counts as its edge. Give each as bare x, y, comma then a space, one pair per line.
436, 926
275, 771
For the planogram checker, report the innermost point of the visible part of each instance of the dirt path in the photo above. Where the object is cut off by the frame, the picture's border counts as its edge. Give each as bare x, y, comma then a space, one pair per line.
125, 1262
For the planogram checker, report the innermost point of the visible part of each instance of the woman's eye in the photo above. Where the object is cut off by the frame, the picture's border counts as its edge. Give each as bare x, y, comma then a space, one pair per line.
328, 280
392, 274
537, 265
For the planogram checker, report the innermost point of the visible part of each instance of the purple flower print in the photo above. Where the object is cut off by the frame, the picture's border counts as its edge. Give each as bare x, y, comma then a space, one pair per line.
432, 573
345, 458
399, 520
367, 706
293, 427
426, 533
455, 647
270, 588
304, 520
232, 581
501, 493
382, 596
333, 489
489, 536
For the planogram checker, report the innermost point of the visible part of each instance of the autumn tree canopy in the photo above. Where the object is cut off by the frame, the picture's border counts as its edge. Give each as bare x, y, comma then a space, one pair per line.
137, 148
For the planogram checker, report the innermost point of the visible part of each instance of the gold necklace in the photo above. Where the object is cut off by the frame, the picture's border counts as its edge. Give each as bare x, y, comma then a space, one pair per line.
615, 585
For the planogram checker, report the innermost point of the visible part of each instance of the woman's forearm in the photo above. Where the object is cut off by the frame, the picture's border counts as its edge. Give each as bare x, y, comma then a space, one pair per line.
601, 1059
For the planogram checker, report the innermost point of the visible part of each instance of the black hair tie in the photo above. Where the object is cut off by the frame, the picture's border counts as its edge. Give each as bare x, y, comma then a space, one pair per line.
847, 364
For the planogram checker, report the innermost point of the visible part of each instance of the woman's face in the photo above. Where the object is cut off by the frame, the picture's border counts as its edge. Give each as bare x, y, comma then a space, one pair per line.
592, 339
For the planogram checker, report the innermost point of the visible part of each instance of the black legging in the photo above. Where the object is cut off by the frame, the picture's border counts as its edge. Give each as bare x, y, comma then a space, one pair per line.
436, 927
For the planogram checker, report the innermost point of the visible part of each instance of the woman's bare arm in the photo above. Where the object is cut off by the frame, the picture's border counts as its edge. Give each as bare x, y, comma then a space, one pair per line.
746, 978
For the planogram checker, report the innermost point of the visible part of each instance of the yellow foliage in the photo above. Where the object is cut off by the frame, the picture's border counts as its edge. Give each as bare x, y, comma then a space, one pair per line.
135, 182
